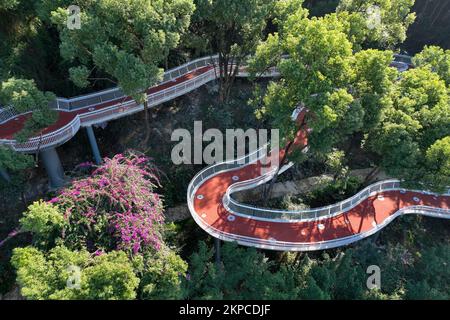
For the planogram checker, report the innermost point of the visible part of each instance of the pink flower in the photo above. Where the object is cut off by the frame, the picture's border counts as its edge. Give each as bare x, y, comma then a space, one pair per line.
54, 200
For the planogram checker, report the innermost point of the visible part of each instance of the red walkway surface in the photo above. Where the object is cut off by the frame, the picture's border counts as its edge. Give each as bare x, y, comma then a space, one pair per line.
13, 126
356, 221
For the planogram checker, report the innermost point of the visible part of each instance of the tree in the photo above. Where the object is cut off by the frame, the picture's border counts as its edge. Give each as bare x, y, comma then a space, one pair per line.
244, 274
437, 59
14, 161
123, 42
162, 275
45, 276
437, 162
324, 69
373, 84
9, 4
350, 279
231, 28
417, 117
431, 277
377, 23
335, 161
318, 74
110, 221
25, 97
43, 220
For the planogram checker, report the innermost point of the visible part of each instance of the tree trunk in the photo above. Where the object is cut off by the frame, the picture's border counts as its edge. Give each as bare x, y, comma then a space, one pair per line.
371, 175
228, 73
269, 189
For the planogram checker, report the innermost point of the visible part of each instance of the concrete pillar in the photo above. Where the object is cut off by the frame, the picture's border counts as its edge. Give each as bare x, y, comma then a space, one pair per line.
217, 249
4, 174
53, 166
94, 146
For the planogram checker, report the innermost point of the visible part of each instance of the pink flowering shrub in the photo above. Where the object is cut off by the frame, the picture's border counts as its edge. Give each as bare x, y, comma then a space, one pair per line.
115, 208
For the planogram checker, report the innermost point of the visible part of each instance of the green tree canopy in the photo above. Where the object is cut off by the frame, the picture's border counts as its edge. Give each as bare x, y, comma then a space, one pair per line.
14, 161
437, 59
162, 275
244, 274
231, 28
123, 42
44, 220
341, 88
45, 276
406, 137
380, 23
127, 40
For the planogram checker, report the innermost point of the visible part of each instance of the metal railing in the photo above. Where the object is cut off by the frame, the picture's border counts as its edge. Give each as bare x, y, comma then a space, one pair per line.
273, 244
7, 114
89, 100
217, 168
301, 215
129, 107
276, 215
54, 138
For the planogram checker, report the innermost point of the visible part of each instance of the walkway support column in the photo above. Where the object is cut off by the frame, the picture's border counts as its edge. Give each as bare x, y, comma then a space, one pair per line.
94, 146
4, 174
217, 249
53, 167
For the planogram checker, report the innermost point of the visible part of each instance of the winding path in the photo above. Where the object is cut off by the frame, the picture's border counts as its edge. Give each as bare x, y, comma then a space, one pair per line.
209, 194
213, 208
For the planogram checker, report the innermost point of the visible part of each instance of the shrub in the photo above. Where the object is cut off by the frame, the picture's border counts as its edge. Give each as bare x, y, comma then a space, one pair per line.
44, 220
115, 208
46, 275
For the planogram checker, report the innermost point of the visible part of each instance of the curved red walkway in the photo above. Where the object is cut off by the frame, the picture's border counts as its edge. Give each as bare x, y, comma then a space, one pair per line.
9, 128
366, 218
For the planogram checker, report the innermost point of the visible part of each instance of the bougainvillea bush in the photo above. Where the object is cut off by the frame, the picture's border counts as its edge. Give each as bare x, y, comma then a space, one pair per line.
114, 208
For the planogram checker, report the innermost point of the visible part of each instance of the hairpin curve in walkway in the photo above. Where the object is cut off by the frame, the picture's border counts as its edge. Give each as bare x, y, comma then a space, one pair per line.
213, 208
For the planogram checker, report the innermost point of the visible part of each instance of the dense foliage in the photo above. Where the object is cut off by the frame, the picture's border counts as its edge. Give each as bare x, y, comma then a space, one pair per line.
230, 28
410, 129
24, 96
45, 275
109, 225
247, 274
115, 208
124, 40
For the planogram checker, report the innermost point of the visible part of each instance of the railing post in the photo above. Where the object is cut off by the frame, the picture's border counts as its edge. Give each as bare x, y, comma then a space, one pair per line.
53, 167
94, 146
